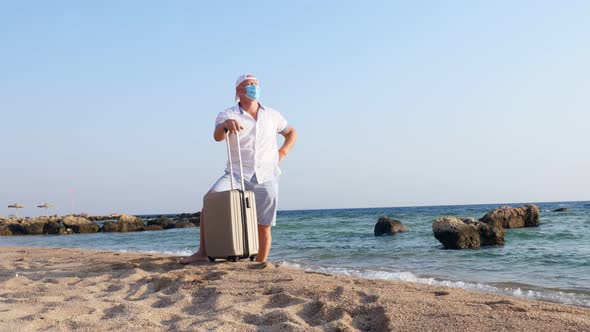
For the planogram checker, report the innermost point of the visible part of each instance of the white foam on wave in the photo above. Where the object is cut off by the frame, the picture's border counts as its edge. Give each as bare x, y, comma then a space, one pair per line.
546, 295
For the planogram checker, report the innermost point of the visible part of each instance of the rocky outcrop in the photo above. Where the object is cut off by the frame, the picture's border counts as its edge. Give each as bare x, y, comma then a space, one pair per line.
129, 223
80, 225
83, 223
184, 220
153, 228
463, 233
15, 227
112, 216
388, 226
194, 218
509, 217
163, 222
33, 226
184, 224
53, 227
109, 227
22, 226
5, 231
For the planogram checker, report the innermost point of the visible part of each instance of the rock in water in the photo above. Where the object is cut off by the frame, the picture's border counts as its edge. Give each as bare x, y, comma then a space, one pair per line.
128, 223
561, 210
490, 235
163, 222
184, 224
388, 226
15, 227
153, 228
80, 225
26, 226
509, 217
463, 233
195, 220
34, 226
109, 227
53, 227
456, 233
5, 231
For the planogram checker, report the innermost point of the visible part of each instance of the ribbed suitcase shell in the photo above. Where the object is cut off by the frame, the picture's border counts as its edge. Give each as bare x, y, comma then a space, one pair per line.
224, 227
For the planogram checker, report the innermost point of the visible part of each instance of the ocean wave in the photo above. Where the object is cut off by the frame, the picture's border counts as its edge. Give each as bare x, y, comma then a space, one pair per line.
546, 295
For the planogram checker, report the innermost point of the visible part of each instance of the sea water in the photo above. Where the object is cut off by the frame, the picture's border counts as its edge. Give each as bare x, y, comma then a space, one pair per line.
550, 262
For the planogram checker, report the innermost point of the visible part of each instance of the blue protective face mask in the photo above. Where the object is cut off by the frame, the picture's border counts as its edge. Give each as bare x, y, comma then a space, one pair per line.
252, 91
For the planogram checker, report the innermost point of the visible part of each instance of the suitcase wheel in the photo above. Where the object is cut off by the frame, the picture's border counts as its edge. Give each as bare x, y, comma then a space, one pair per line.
252, 258
211, 259
233, 258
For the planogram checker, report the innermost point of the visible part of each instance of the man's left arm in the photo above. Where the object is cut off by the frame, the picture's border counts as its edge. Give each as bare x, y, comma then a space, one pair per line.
290, 135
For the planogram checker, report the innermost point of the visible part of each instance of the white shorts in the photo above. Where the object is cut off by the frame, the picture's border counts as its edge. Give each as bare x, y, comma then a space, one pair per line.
266, 195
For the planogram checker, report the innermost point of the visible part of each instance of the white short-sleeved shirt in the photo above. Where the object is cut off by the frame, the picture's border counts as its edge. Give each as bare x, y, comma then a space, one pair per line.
258, 141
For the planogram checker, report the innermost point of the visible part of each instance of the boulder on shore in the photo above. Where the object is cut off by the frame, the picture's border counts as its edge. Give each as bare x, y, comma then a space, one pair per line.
463, 233
388, 226
509, 217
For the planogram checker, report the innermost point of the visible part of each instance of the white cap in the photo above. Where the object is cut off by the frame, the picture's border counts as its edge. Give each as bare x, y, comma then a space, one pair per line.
241, 79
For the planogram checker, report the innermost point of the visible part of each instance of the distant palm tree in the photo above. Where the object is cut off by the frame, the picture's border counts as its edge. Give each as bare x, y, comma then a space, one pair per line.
45, 206
16, 206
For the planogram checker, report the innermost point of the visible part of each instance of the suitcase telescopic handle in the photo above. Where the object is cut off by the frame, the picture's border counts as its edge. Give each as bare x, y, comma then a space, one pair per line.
231, 169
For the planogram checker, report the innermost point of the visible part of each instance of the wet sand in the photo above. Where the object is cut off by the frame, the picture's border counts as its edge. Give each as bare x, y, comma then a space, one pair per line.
45, 289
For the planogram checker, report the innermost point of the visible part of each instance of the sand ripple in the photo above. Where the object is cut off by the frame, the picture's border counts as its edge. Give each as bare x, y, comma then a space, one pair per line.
44, 289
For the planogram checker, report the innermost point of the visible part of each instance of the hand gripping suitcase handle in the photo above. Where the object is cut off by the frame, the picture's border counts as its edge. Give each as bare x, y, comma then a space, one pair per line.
231, 168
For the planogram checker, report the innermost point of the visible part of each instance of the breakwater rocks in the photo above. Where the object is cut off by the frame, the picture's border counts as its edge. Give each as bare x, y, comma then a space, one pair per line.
464, 233
388, 226
62, 225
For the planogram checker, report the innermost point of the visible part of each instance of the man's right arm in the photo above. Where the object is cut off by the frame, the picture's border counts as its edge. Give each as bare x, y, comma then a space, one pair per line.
230, 124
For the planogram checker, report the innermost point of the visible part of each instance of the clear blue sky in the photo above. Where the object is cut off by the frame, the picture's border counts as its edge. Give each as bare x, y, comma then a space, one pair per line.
396, 103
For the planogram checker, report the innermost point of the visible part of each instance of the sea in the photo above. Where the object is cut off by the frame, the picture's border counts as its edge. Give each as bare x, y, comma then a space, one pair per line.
550, 262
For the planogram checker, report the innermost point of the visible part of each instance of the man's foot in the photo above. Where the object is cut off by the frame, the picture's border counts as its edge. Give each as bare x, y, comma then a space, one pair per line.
259, 266
196, 257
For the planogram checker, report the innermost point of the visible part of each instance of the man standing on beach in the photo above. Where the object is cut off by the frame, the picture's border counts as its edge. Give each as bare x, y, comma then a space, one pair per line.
258, 127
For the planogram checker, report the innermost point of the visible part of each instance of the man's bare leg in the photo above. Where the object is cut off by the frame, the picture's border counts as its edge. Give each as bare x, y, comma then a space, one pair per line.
201, 255
264, 241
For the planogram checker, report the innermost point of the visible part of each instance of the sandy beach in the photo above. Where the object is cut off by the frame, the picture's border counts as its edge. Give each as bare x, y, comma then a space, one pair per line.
46, 289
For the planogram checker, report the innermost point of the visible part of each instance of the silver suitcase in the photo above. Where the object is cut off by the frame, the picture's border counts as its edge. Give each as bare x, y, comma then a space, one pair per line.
231, 224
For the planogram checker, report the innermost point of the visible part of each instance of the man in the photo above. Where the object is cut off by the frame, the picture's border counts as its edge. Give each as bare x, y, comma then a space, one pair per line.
258, 127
